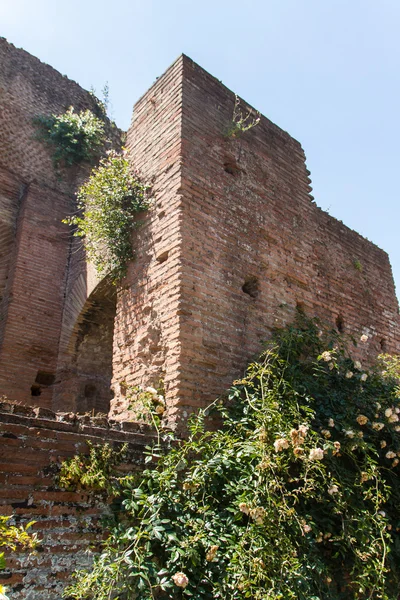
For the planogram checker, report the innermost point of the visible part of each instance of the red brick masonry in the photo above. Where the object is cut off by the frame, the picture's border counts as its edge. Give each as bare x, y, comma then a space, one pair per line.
33, 443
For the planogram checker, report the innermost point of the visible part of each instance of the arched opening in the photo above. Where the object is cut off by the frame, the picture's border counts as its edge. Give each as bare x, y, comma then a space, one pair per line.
85, 377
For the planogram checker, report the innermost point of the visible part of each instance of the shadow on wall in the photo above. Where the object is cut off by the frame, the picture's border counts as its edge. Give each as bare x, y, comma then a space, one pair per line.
83, 381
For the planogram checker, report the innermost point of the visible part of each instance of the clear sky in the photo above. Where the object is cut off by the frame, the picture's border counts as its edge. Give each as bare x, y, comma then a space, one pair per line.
327, 71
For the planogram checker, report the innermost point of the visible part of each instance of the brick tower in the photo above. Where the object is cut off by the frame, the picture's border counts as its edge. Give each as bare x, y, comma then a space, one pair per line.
233, 244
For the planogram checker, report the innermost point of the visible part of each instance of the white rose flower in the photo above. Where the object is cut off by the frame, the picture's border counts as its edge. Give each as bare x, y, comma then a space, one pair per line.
331, 422
388, 412
378, 426
357, 365
393, 418
364, 377
244, 508
390, 454
258, 514
333, 490
326, 356
362, 419
281, 444
316, 454
180, 579
349, 433
349, 374
151, 390
364, 338
303, 430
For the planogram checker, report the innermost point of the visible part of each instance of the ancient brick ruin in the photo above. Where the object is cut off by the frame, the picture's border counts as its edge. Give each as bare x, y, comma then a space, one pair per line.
232, 245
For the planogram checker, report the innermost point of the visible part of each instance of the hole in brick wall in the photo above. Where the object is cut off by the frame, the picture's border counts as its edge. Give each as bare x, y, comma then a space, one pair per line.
383, 345
45, 378
163, 256
340, 323
161, 214
300, 306
251, 286
35, 390
231, 167
90, 391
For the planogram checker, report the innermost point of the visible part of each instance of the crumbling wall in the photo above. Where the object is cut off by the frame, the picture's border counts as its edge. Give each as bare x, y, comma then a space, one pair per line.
33, 444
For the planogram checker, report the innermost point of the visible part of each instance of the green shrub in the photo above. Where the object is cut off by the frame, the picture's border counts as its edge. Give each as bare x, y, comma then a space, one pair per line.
108, 205
74, 137
95, 471
295, 497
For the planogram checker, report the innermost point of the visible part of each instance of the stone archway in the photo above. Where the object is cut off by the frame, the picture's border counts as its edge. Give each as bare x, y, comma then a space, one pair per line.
84, 377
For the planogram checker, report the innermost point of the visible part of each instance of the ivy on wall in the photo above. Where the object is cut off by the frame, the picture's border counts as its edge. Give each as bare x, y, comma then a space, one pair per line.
295, 497
108, 206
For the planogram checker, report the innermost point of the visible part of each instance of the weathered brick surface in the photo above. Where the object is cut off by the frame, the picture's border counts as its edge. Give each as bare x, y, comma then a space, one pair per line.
31, 450
146, 340
45, 282
247, 246
260, 222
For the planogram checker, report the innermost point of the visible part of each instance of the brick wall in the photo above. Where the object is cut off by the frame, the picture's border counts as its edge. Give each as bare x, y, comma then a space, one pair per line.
146, 340
44, 279
33, 443
247, 246
250, 198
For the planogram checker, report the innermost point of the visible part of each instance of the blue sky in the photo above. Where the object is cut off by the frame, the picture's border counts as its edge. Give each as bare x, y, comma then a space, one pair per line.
327, 71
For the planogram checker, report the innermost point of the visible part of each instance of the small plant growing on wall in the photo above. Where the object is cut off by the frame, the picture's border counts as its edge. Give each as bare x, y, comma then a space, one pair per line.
12, 538
242, 120
108, 205
73, 137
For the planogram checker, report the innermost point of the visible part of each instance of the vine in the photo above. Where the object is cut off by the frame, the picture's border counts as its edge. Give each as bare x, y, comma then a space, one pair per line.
108, 205
295, 497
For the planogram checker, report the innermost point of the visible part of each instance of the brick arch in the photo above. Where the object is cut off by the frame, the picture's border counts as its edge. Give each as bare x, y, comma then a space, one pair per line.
85, 360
